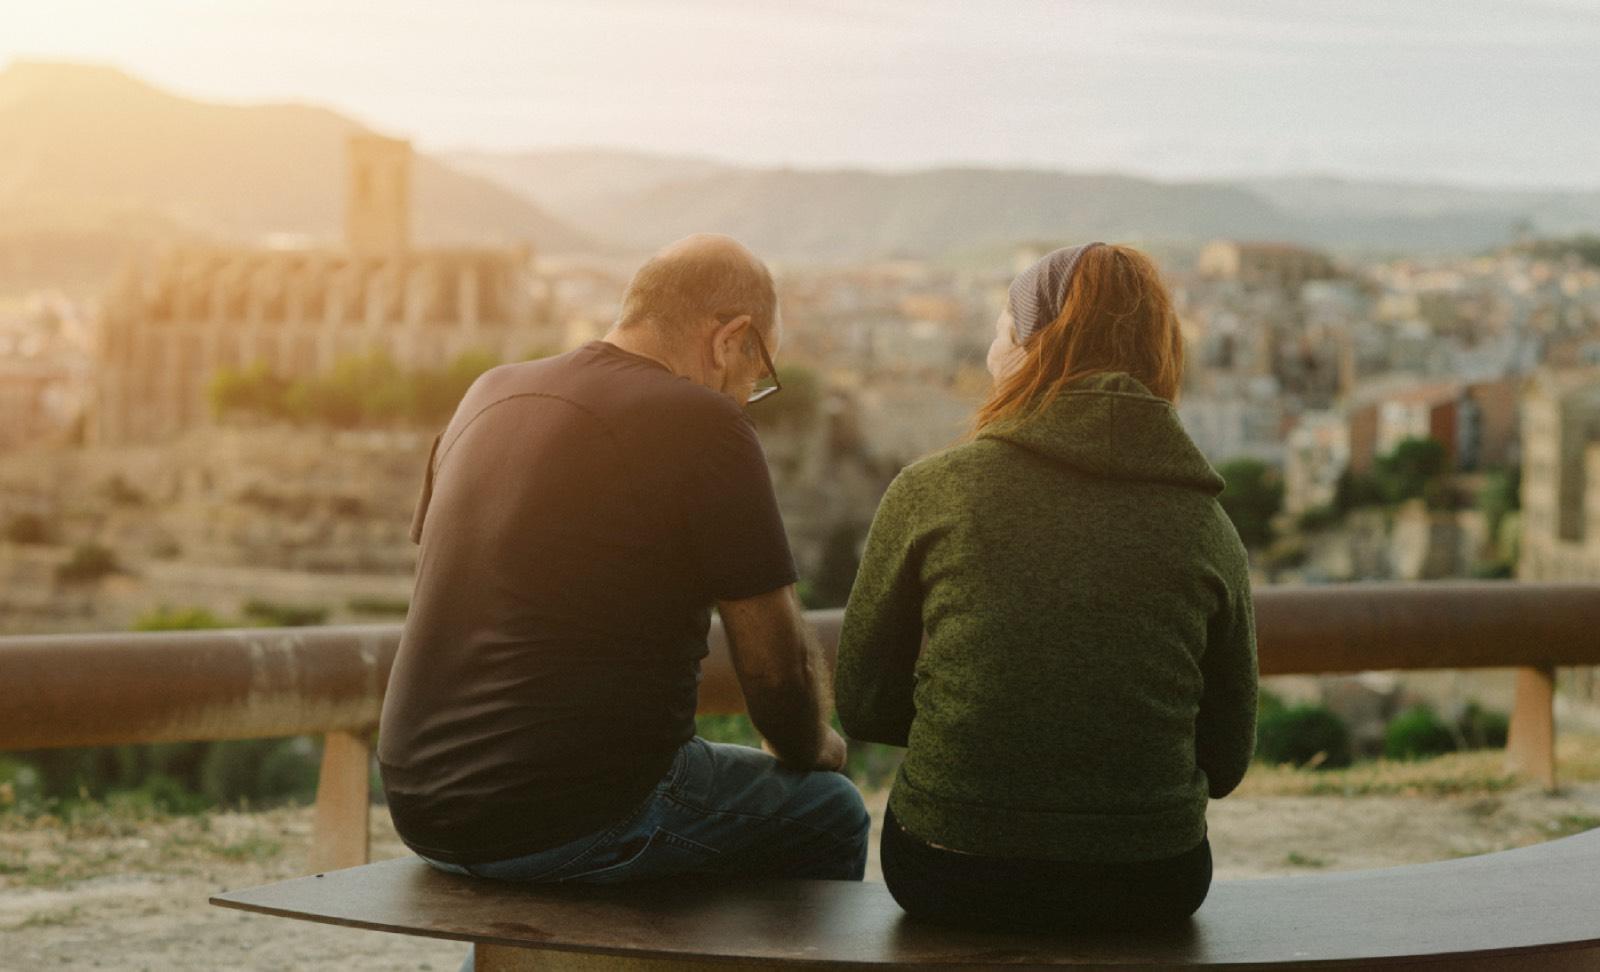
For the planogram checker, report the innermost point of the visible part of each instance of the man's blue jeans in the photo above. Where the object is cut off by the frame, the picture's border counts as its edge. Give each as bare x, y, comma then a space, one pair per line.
719, 810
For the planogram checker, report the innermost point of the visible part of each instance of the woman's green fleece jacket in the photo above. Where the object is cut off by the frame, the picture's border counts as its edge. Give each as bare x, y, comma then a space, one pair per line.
1089, 672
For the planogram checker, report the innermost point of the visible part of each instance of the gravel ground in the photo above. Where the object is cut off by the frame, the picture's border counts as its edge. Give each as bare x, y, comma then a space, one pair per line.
114, 889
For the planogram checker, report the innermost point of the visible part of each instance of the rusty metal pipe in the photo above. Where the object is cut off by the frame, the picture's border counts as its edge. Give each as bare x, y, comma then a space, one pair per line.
100, 689
1359, 627
85, 690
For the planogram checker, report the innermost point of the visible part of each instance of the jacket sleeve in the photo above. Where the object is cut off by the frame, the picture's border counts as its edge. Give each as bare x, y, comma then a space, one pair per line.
882, 632
1225, 730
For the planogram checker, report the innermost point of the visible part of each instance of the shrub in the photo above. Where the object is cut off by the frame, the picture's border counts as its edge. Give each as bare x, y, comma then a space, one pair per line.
361, 390
259, 771
1483, 728
1500, 494
1357, 490
1268, 704
166, 794
89, 562
1303, 735
1318, 518
382, 606
1251, 498
288, 771
252, 391
19, 783
273, 615
1418, 733
166, 618
797, 404
1405, 473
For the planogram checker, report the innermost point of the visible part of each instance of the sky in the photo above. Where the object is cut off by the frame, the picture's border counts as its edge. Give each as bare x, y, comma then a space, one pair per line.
1481, 92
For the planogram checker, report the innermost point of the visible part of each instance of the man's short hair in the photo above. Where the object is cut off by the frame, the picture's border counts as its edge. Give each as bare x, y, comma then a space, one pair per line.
682, 286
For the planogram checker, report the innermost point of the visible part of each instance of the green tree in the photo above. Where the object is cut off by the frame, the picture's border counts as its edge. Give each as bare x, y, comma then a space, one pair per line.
1407, 472
1500, 494
1355, 490
253, 391
797, 403
165, 618
1252, 497
359, 390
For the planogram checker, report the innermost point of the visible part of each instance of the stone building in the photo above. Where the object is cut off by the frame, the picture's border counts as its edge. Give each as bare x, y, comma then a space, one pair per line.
1476, 422
1561, 477
166, 331
1264, 264
1316, 452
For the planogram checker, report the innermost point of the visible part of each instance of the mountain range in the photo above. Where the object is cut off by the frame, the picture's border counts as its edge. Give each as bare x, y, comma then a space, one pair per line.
642, 201
96, 164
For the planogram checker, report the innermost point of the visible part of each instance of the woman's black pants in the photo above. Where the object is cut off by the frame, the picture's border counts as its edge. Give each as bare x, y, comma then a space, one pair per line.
952, 888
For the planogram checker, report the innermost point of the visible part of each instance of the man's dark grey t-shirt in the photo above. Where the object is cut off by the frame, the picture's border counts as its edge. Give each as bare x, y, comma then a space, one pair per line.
579, 517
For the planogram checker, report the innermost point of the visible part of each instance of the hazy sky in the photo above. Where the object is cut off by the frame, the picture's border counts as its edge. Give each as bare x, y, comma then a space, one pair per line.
1479, 91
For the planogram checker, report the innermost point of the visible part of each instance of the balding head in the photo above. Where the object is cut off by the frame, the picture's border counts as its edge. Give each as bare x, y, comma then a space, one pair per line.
689, 284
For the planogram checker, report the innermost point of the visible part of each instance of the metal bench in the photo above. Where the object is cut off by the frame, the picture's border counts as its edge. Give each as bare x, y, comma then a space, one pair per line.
1535, 908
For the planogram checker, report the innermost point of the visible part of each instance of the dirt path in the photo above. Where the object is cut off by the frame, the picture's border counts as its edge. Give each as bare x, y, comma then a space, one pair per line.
115, 891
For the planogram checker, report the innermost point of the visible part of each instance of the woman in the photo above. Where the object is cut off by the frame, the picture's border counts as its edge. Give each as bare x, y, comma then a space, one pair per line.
1088, 676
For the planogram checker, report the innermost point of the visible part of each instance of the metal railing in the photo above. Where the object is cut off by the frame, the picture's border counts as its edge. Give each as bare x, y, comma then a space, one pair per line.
104, 689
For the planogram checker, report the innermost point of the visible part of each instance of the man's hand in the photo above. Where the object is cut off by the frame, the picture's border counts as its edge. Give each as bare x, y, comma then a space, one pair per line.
831, 758
784, 678
833, 752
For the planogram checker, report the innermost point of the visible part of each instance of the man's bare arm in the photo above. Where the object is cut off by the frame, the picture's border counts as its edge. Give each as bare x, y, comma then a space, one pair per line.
784, 677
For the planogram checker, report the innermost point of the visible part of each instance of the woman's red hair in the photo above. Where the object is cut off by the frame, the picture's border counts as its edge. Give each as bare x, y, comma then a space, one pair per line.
1118, 317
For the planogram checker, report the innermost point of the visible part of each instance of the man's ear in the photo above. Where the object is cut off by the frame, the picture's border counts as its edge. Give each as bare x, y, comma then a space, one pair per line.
727, 341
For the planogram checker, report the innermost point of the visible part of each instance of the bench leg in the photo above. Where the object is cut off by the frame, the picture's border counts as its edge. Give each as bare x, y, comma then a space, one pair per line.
1531, 743
342, 822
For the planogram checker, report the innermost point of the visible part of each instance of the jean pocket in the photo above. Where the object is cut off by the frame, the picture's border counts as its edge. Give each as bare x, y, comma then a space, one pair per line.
662, 854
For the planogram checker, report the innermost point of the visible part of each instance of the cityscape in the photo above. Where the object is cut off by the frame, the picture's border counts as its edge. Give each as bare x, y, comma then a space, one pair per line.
1379, 417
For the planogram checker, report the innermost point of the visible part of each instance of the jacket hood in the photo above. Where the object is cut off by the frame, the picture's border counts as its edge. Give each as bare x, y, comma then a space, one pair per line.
1109, 425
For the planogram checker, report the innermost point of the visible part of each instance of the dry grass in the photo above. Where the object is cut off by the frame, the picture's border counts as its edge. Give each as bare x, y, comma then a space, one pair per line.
1483, 771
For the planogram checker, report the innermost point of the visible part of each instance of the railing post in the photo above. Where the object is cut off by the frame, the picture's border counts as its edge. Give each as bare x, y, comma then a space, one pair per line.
342, 820
1531, 742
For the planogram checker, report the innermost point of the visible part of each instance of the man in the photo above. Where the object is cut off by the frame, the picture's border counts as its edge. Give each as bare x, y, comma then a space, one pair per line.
580, 516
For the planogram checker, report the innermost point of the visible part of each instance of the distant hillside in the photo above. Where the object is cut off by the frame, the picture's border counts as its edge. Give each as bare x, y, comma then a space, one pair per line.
570, 182
94, 163
1547, 212
850, 214
87, 149
846, 214
643, 200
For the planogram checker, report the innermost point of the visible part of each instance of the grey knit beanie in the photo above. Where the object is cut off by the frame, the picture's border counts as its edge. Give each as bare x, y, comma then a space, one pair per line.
1039, 292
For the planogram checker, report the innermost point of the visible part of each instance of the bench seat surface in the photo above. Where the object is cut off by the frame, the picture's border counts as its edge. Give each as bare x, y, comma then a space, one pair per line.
1544, 898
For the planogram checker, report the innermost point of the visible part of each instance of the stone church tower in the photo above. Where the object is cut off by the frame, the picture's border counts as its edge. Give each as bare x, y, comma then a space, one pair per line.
167, 330
377, 212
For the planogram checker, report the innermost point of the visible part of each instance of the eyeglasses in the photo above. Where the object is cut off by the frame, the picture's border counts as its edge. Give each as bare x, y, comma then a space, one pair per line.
764, 390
